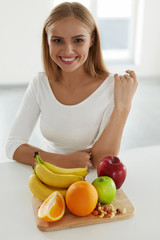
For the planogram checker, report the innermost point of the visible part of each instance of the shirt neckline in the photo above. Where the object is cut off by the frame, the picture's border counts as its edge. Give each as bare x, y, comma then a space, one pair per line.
80, 103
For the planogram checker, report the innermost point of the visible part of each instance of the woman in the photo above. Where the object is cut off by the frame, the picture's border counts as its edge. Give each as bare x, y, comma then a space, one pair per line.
82, 108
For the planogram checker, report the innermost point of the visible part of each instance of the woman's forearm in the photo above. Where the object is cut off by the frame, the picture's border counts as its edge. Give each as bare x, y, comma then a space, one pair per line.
25, 154
110, 139
109, 142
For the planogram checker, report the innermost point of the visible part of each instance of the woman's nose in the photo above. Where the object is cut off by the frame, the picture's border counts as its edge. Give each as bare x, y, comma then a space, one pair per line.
68, 49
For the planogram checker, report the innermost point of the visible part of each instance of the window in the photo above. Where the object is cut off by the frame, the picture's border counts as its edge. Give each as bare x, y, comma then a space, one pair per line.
116, 22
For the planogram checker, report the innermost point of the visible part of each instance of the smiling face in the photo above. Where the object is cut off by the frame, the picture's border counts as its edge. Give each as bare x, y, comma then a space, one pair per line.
69, 41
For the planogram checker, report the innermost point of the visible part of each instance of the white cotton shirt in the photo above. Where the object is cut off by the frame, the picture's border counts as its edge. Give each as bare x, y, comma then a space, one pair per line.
66, 128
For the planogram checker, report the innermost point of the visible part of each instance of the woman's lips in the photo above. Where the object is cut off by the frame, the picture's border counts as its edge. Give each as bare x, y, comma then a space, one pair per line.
68, 60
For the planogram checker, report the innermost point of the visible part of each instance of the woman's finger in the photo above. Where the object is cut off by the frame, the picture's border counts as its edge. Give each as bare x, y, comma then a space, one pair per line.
131, 73
127, 76
116, 76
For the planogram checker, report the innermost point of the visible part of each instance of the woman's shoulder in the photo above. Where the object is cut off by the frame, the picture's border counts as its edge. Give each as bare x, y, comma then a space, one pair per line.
110, 78
39, 80
107, 87
38, 83
40, 77
109, 81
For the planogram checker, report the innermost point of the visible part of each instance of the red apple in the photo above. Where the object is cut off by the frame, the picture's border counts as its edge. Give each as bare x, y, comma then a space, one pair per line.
114, 168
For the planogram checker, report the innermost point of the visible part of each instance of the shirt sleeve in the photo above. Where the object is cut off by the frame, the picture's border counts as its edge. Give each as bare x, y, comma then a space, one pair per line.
25, 119
106, 116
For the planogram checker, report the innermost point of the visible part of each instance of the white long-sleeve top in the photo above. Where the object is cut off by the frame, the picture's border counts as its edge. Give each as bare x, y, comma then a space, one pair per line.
66, 128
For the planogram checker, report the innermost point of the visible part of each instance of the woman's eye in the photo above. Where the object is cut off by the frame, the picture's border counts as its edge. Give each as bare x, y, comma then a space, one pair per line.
57, 40
78, 40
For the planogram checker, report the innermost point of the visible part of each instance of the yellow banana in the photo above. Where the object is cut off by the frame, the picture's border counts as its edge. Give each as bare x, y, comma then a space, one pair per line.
55, 179
76, 171
40, 190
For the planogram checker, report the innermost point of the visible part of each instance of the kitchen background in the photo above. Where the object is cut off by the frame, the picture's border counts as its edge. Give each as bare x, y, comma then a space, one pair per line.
130, 37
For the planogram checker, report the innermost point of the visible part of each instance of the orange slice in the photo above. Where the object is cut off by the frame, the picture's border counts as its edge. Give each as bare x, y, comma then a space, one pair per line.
53, 208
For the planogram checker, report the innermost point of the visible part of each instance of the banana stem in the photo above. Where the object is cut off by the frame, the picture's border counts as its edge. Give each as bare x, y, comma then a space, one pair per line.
38, 158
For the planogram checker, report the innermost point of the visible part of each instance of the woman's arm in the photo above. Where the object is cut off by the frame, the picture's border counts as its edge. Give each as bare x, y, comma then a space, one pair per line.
25, 154
110, 139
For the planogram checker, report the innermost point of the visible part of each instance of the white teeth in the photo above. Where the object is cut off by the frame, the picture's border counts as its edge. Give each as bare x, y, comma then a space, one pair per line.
68, 59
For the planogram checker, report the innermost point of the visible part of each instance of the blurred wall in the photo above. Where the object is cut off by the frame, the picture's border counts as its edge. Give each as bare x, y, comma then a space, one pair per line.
21, 23
148, 50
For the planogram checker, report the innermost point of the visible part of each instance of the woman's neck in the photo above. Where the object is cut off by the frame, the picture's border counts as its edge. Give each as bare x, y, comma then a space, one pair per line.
74, 79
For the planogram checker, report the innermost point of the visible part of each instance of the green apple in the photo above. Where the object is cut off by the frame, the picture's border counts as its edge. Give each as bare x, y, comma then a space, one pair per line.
106, 189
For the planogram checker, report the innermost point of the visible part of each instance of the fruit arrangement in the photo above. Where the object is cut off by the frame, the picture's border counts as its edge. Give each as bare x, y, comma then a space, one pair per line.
60, 187
48, 178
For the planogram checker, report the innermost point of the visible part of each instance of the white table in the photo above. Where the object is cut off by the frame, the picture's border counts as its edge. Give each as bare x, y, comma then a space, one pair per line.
142, 187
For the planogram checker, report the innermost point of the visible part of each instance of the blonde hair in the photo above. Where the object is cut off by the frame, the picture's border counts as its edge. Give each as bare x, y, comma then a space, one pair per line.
94, 65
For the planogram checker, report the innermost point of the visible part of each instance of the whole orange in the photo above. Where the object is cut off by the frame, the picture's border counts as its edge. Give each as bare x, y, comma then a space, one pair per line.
81, 198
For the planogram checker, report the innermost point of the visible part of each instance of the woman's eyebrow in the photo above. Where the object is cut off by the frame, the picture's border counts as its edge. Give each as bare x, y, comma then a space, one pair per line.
77, 36
53, 36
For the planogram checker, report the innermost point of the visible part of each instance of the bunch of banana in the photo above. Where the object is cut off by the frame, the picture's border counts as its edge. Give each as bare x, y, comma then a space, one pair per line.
47, 178
41, 190
76, 171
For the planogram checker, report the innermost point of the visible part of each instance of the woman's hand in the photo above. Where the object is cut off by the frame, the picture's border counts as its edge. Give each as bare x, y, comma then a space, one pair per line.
79, 159
124, 90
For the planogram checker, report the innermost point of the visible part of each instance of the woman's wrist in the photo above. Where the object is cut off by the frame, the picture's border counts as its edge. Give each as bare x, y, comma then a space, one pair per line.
122, 109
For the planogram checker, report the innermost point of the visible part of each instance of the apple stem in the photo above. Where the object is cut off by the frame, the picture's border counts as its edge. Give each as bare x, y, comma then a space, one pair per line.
101, 179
